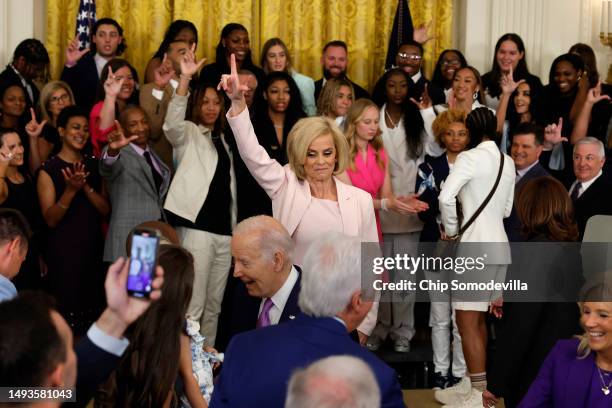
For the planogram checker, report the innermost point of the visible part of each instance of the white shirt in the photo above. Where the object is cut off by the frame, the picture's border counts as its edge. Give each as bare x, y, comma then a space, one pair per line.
159, 93
415, 78
107, 342
279, 299
521, 173
585, 184
100, 63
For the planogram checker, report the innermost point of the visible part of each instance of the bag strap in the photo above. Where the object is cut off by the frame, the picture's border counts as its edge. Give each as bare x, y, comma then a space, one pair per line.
486, 201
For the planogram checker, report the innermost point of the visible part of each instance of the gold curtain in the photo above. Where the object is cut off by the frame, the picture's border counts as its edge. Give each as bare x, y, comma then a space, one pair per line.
304, 26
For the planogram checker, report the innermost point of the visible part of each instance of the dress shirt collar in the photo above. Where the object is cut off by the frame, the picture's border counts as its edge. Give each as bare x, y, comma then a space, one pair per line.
282, 295
521, 173
585, 184
100, 63
7, 289
21, 78
416, 77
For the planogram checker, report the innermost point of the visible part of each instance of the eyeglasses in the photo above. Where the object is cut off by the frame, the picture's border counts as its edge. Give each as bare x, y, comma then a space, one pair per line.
64, 98
446, 63
412, 57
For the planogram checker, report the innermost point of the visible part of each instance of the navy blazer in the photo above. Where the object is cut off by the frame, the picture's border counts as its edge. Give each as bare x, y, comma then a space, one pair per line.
259, 363
94, 366
83, 80
596, 200
439, 167
564, 381
512, 224
245, 308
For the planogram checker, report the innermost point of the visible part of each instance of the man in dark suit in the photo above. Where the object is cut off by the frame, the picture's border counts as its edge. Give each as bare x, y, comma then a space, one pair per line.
259, 363
83, 67
32, 330
409, 58
527, 146
262, 248
335, 61
592, 190
30, 59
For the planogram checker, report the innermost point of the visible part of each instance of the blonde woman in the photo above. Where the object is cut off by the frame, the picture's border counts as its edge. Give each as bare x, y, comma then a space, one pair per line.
54, 97
306, 196
368, 167
335, 100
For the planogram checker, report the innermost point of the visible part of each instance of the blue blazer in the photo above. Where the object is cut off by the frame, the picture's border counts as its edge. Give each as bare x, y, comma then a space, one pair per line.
83, 80
94, 366
564, 381
259, 363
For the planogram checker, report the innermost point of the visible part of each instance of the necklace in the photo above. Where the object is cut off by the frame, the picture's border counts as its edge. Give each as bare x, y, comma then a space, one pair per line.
390, 119
604, 388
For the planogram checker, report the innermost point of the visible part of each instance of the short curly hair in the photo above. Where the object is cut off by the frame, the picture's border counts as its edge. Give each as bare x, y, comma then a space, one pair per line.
444, 120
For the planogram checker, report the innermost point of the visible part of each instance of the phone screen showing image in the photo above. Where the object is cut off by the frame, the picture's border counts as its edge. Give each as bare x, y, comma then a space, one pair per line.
143, 261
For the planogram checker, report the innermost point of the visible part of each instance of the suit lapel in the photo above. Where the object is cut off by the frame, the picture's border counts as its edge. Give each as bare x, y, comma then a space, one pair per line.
291, 310
579, 380
144, 167
163, 189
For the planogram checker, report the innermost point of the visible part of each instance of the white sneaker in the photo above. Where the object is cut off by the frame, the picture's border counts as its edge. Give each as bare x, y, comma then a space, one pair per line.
473, 400
455, 394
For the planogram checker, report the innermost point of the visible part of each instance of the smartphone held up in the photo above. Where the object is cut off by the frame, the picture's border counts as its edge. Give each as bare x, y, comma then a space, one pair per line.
143, 262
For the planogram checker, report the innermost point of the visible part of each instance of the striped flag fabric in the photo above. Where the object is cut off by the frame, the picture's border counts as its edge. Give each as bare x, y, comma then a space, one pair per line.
85, 20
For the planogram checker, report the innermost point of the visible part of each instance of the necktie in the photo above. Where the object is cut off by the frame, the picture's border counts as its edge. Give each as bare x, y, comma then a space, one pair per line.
264, 317
576, 191
157, 178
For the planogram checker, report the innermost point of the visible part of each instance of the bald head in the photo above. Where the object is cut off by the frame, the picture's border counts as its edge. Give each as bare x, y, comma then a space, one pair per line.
262, 250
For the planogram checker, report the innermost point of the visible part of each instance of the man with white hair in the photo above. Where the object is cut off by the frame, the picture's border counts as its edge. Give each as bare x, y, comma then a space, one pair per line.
334, 382
592, 190
259, 363
262, 249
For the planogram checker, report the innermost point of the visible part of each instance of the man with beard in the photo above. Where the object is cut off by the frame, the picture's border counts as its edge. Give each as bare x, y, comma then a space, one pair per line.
335, 61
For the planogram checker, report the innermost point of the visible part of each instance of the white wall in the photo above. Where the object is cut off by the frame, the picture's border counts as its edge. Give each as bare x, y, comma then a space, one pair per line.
19, 19
548, 28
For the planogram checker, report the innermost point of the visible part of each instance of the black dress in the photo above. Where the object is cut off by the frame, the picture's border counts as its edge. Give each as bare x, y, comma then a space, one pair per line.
74, 250
23, 198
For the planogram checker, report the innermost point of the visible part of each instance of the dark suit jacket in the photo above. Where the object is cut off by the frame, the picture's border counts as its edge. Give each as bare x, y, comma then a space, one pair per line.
94, 366
359, 91
259, 363
529, 330
246, 308
564, 381
596, 200
9, 77
83, 80
512, 224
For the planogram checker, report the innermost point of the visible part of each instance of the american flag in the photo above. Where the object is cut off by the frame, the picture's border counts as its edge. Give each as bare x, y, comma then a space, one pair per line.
85, 21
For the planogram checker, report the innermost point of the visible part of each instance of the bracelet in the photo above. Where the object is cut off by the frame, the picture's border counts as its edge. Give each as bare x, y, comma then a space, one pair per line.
185, 77
62, 206
383, 204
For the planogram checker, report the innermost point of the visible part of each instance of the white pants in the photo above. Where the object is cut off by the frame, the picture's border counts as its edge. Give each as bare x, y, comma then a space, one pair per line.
212, 261
396, 318
441, 316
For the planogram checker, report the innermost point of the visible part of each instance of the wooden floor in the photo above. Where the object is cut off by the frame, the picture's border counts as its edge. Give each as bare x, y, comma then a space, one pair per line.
425, 399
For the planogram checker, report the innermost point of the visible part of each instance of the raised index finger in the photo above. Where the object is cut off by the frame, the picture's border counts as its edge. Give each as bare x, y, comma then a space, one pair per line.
233, 69
33, 114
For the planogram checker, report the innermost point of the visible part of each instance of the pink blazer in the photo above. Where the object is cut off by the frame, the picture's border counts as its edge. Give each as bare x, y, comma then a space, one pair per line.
291, 196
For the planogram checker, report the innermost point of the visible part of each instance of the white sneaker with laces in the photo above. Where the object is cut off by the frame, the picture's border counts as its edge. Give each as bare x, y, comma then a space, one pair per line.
455, 394
473, 400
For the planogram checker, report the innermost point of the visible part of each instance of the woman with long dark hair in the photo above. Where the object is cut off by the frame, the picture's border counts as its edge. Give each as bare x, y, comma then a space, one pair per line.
509, 59
147, 372
234, 40
202, 199
529, 330
178, 30
118, 88
448, 63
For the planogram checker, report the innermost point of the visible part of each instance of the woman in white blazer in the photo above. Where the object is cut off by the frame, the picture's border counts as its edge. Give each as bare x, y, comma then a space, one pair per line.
470, 181
201, 201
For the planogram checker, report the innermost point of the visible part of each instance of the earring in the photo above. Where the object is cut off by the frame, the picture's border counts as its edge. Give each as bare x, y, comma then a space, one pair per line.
475, 96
